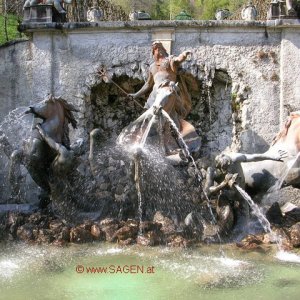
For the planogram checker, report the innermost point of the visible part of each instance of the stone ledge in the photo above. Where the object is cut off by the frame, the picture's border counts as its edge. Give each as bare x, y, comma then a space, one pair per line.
290, 23
140, 25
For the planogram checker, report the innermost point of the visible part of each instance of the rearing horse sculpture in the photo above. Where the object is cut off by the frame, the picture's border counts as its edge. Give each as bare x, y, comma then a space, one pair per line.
37, 155
166, 99
261, 176
280, 164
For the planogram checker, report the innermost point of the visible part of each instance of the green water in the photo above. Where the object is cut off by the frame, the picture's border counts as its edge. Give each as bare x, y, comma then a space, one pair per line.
31, 272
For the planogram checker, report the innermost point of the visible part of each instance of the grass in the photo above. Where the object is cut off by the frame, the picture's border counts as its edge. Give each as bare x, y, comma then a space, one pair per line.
12, 31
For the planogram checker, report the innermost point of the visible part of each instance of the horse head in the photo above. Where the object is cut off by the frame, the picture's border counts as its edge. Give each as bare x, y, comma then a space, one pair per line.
166, 95
44, 109
56, 114
289, 137
260, 176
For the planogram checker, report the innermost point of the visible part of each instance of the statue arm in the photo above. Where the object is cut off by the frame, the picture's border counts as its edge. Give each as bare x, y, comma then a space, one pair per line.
269, 155
215, 189
229, 180
210, 188
57, 4
182, 57
145, 88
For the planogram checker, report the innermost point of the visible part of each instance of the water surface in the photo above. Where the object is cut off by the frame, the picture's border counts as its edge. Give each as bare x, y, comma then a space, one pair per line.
46, 272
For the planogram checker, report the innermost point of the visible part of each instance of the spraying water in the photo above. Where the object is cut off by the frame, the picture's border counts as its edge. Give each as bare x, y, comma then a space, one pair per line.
182, 144
256, 210
146, 133
278, 184
197, 172
138, 187
281, 254
17, 123
137, 176
159, 113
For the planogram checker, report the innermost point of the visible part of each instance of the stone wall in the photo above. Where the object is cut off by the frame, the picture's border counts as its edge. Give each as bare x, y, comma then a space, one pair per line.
290, 72
242, 75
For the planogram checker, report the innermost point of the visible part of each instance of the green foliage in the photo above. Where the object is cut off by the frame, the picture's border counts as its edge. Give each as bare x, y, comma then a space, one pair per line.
158, 9
209, 7
161, 10
176, 6
125, 4
168, 9
12, 32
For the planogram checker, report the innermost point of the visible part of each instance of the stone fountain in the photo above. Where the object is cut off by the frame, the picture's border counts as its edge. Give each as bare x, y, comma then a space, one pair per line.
152, 186
106, 139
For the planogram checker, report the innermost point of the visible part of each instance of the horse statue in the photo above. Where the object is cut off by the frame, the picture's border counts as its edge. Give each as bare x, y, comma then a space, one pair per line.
162, 120
280, 164
261, 176
48, 148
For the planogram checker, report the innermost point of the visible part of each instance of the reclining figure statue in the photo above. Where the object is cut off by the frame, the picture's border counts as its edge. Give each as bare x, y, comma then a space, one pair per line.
278, 166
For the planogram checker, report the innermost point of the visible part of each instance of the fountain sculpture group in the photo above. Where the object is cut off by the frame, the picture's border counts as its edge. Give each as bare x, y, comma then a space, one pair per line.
163, 195
162, 192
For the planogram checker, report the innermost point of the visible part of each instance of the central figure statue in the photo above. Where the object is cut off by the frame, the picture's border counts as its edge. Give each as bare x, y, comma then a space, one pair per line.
162, 72
168, 92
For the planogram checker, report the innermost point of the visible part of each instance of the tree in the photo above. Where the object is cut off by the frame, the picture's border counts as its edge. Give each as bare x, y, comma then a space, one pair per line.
177, 6
210, 7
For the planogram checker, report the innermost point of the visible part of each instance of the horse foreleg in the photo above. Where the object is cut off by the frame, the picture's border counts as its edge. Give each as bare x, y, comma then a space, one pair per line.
293, 177
5, 146
57, 5
36, 162
15, 175
96, 140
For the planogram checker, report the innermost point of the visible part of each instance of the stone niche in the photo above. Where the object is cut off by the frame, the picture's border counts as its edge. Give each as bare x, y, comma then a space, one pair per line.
110, 110
212, 111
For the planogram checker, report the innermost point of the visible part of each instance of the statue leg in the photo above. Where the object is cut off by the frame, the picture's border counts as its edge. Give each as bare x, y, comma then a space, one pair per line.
225, 214
26, 4
57, 5
64, 159
290, 10
97, 139
289, 4
29, 3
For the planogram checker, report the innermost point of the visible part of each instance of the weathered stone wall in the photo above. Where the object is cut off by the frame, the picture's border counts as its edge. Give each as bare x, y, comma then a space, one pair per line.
15, 76
290, 71
259, 60
246, 55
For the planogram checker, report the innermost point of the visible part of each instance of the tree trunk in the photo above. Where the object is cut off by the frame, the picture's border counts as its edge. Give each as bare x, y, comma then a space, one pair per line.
5, 20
